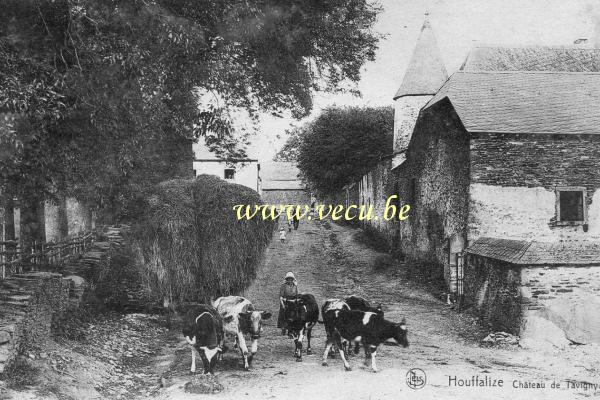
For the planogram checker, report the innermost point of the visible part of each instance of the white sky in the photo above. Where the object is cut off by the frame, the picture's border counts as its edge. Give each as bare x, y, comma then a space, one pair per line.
458, 25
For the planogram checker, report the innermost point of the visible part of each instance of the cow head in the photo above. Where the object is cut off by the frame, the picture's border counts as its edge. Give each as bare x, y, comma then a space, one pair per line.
294, 309
189, 334
400, 333
252, 319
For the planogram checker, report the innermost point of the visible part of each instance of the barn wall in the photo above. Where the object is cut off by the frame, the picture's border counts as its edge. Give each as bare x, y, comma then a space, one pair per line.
513, 195
434, 181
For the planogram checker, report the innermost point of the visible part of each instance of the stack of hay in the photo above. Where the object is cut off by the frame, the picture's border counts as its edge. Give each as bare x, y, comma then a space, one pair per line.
190, 244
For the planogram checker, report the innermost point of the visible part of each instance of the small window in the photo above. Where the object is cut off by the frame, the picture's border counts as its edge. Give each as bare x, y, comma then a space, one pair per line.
229, 173
570, 205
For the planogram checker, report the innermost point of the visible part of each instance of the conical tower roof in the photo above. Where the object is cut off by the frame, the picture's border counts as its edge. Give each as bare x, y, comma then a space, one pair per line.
426, 72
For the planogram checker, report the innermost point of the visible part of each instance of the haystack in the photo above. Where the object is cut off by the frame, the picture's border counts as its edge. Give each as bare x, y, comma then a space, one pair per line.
191, 246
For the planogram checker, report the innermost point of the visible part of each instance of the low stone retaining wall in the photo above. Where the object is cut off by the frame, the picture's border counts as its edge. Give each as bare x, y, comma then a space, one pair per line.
29, 302
544, 305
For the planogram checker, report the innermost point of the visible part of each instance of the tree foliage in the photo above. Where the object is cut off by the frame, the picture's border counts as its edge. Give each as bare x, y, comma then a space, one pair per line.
98, 98
342, 144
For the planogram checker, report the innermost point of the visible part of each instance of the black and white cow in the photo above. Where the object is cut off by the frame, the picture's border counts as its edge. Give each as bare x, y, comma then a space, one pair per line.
241, 319
203, 330
301, 314
328, 313
361, 304
368, 328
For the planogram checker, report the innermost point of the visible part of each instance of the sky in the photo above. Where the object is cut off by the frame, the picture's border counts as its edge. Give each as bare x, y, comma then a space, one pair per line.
458, 25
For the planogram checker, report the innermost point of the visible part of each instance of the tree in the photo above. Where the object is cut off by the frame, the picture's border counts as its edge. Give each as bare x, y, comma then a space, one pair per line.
93, 91
342, 144
289, 150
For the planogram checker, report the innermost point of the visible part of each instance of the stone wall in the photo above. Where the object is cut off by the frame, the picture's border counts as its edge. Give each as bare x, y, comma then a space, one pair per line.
545, 305
563, 299
492, 287
434, 181
374, 189
29, 302
514, 180
406, 111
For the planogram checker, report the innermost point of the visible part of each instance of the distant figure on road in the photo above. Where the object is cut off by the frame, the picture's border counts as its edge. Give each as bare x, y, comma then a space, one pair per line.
282, 234
296, 222
287, 291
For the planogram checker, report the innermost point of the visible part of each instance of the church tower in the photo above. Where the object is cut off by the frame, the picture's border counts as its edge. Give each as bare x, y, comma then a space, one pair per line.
425, 74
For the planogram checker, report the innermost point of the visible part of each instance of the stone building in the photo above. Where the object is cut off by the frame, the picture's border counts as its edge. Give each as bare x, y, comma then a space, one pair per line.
282, 184
502, 170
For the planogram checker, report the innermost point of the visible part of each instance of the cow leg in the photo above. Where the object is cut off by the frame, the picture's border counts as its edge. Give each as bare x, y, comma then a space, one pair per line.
209, 359
308, 334
356, 347
373, 362
243, 349
253, 350
328, 348
338, 341
298, 342
367, 354
346, 365
193, 368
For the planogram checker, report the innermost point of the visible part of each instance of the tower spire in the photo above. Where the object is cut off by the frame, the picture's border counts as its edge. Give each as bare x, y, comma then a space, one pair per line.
426, 72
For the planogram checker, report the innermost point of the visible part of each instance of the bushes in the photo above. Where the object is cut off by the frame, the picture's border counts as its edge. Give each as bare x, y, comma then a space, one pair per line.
190, 245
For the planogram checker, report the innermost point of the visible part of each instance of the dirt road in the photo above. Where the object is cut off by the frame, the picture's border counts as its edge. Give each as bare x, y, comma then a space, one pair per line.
329, 262
133, 357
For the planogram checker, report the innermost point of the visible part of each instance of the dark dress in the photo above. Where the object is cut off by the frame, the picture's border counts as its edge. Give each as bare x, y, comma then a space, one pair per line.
287, 291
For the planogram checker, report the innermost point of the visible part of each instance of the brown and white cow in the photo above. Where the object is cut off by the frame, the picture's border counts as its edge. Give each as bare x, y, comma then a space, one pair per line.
203, 330
241, 319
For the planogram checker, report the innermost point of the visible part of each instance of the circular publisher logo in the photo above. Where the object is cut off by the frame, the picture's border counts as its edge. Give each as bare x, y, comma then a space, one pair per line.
416, 378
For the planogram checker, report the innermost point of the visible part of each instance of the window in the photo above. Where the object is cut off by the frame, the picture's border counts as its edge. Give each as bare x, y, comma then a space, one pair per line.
570, 206
229, 173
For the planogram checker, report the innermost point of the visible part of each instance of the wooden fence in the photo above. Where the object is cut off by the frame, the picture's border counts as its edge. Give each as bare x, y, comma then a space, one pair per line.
16, 258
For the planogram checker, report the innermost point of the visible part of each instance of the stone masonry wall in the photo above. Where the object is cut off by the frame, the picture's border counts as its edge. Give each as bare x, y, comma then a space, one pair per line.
406, 111
544, 305
434, 181
513, 183
28, 303
492, 287
373, 190
564, 299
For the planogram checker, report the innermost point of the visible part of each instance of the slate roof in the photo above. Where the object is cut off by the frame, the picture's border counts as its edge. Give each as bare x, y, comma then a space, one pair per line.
521, 252
568, 59
525, 102
426, 72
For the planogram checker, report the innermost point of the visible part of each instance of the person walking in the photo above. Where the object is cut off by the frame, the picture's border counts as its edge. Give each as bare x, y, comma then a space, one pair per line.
282, 234
288, 290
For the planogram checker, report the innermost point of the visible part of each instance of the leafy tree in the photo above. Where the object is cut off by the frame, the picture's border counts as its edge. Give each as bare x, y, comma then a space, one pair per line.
289, 150
342, 144
100, 99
